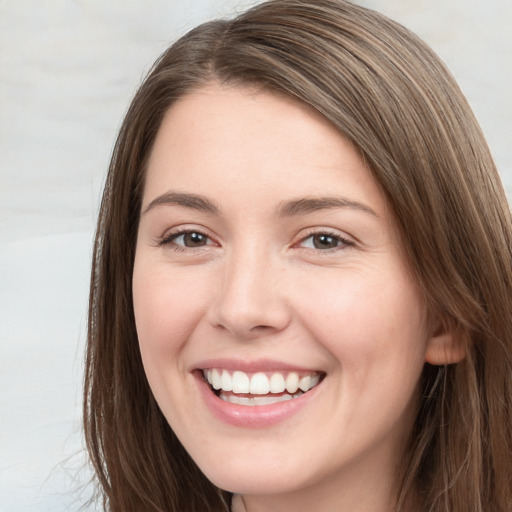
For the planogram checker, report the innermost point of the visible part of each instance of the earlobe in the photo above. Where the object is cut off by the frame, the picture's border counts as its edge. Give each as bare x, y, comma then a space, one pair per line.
446, 346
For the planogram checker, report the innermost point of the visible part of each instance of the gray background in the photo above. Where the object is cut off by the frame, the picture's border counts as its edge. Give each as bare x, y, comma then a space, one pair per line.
68, 69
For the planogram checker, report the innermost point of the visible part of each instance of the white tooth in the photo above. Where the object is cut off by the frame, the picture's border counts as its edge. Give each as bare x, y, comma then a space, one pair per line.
265, 400
315, 379
277, 383
259, 384
292, 382
240, 382
257, 400
216, 381
239, 400
227, 383
305, 383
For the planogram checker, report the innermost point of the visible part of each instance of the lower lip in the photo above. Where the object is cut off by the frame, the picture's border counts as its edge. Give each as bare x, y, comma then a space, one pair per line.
255, 416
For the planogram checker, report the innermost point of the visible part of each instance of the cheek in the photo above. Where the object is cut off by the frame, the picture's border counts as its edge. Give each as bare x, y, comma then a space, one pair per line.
167, 309
368, 322
375, 334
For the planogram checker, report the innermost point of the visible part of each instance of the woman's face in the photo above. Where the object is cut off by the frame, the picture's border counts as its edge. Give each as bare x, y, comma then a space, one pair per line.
267, 259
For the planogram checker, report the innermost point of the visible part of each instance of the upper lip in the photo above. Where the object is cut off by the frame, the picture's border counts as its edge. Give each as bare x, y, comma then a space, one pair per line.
257, 365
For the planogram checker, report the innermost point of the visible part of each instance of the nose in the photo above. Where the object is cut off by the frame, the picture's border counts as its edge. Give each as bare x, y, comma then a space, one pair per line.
251, 301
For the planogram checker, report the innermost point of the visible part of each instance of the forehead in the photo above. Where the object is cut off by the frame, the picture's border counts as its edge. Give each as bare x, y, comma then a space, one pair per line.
239, 142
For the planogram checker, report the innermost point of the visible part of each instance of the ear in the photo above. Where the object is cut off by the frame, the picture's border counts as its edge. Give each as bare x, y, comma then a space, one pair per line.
447, 345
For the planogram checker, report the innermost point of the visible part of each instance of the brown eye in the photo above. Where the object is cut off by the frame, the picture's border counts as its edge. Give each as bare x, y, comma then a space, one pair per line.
325, 241
194, 239
190, 239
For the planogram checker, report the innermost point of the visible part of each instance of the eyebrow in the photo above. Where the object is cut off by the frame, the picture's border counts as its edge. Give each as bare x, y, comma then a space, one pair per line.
193, 201
296, 207
307, 205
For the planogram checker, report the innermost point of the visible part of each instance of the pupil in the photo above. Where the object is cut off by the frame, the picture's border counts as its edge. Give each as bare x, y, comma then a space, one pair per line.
325, 242
194, 239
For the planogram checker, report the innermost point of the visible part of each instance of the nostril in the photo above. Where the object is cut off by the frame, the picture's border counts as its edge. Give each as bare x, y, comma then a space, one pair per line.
245, 312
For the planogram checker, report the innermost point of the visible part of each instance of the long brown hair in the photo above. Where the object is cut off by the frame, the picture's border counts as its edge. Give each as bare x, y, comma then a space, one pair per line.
387, 92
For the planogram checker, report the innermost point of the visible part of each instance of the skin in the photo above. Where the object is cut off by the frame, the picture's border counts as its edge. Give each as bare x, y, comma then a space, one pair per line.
260, 286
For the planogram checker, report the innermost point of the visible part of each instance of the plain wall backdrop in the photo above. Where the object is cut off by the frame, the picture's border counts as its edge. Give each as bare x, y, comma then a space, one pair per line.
68, 69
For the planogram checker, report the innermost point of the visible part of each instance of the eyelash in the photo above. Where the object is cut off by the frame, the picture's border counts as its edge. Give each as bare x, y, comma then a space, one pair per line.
342, 242
171, 237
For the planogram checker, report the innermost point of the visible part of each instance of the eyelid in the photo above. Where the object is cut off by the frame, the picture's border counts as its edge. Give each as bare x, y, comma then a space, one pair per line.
346, 240
178, 231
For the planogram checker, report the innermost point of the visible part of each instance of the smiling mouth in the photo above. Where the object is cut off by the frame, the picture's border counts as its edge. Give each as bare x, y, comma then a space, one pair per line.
260, 388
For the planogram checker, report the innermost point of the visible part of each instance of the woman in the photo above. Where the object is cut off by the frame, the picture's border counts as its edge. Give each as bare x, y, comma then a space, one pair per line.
302, 278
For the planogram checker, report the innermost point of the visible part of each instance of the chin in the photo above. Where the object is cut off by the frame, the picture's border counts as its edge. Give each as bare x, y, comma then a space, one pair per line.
258, 468
254, 480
